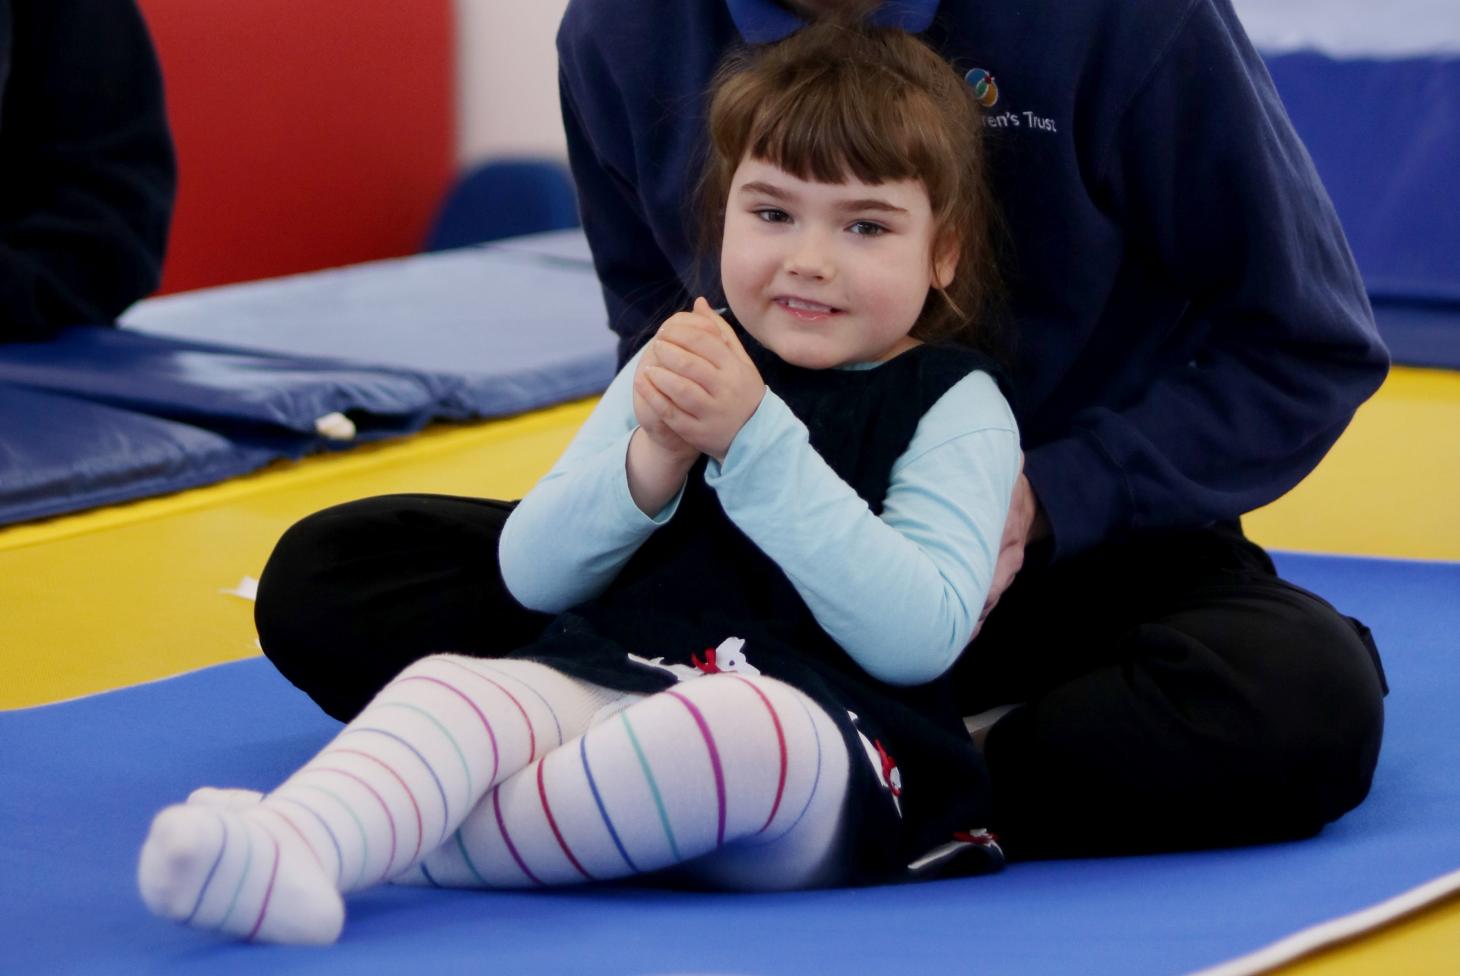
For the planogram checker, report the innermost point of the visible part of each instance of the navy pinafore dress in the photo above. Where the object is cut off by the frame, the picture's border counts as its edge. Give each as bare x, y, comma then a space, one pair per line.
917, 781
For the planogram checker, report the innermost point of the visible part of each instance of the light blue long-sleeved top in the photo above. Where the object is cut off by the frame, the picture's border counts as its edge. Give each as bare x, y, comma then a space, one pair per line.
900, 592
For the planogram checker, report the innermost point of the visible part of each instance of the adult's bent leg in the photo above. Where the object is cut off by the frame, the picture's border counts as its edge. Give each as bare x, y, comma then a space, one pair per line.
1221, 705
355, 593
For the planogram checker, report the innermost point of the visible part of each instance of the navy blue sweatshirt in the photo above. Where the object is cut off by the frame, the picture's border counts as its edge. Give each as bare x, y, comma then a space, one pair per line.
1191, 332
87, 175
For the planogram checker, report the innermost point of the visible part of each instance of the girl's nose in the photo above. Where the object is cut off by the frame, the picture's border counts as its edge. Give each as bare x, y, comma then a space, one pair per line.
809, 260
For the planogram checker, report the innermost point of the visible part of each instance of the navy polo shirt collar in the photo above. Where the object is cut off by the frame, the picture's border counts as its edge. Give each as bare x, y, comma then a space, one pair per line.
763, 21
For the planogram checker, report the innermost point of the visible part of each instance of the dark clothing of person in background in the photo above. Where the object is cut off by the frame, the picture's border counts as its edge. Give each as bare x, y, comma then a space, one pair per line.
87, 173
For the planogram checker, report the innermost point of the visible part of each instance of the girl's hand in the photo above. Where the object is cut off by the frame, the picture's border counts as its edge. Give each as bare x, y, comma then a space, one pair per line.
701, 383
646, 397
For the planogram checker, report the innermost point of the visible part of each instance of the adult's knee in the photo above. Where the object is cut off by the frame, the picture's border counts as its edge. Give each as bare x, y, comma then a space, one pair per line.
1319, 700
1252, 715
355, 592
1306, 699
295, 588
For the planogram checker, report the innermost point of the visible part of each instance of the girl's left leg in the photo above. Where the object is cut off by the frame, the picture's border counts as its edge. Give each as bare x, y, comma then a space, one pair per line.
744, 776
393, 785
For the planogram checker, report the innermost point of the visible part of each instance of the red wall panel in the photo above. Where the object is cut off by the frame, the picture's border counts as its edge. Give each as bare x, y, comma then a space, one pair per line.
310, 133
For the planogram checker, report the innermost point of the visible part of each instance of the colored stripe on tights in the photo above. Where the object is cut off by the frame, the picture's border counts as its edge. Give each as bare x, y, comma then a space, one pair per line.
420, 825
531, 733
247, 866
339, 854
445, 804
602, 810
653, 786
465, 767
385, 807
714, 761
507, 839
268, 892
223, 847
780, 742
553, 823
359, 825
540, 697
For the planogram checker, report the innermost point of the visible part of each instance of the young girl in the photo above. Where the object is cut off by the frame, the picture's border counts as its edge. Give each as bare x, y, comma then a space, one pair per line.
766, 547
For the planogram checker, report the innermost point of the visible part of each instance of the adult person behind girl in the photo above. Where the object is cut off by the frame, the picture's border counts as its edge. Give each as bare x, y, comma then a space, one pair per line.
813, 505
1192, 337
87, 174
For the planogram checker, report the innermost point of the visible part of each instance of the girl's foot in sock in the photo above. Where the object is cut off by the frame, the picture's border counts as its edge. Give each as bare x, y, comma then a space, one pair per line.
228, 798
228, 871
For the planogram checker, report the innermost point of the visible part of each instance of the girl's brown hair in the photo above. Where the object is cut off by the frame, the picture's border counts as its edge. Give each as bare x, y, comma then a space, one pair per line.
840, 99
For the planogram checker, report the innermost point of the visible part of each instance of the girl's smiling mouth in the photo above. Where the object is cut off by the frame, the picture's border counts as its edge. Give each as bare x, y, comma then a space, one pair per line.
805, 310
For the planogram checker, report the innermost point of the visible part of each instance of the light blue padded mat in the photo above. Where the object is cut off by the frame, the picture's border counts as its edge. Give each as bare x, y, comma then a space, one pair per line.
79, 782
515, 330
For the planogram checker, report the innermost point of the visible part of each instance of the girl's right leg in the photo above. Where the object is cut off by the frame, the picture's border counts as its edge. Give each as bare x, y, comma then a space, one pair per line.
391, 787
743, 779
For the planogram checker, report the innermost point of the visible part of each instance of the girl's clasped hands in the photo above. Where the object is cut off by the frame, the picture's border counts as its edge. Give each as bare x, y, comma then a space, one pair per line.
696, 385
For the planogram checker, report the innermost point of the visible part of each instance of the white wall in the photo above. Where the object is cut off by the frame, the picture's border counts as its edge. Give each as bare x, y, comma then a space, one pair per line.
508, 96
1354, 28
507, 99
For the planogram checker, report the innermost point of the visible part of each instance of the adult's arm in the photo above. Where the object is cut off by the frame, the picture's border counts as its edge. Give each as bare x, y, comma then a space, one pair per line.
1209, 180
87, 174
640, 285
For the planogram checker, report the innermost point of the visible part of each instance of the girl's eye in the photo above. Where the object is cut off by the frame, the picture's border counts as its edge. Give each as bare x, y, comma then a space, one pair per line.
773, 215
867, 228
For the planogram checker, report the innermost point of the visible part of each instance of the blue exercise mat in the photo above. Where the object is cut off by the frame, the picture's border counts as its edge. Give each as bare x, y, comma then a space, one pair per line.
510, 331
249, 394
391, 345
1420, 334
99, 415
80, 781
1384, 134
60, 454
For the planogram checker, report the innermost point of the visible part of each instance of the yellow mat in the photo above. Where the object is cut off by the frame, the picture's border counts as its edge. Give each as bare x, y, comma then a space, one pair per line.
139, 592
1390, 487
136, 592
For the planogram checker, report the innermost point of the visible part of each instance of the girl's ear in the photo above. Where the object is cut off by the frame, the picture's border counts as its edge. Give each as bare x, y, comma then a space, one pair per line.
945, 261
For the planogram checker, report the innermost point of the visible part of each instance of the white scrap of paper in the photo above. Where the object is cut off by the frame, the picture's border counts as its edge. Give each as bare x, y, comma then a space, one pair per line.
247, 589
335, 426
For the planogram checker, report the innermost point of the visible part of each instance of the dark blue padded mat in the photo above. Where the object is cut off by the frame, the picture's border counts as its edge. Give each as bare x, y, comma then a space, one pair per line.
1420, 334
1384, 134
98, 415
250, 395
393, 345
79, 782
58, 454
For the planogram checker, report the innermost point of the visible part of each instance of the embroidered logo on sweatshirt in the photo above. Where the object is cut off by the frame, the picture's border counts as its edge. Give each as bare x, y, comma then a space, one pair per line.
986, 93
984, 87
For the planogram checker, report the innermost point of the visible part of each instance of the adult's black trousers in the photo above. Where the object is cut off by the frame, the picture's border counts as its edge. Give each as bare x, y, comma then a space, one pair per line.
1174, 692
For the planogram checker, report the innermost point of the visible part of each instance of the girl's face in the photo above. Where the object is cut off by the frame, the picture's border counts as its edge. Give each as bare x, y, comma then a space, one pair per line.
825, 274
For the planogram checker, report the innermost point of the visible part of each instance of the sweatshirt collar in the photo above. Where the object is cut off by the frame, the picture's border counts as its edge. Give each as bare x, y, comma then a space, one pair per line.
763, 21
